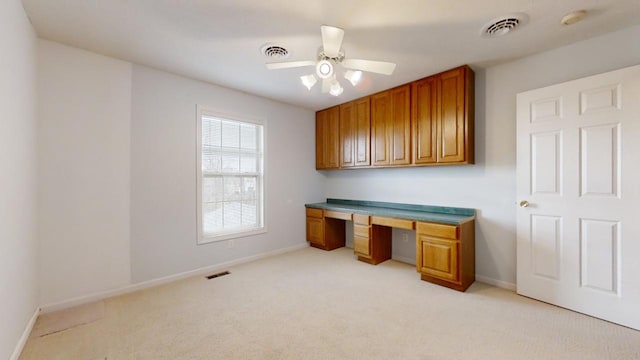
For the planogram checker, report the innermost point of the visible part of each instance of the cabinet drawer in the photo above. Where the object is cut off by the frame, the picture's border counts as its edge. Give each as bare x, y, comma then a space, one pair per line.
315, 213
362, 230
361, 219
392, 222
337, 215
437, 230
362, 246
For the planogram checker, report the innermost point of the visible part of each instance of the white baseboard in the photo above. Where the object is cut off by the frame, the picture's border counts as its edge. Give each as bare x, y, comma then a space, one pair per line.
163, 280
496, 283
25, 335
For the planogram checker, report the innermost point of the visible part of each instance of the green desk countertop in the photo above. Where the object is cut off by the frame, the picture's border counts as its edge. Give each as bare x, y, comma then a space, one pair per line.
427, 213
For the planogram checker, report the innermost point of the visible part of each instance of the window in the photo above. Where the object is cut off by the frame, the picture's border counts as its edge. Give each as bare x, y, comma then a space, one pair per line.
230, 177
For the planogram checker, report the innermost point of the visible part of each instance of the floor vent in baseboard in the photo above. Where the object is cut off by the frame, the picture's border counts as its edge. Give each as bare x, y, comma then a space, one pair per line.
218, 275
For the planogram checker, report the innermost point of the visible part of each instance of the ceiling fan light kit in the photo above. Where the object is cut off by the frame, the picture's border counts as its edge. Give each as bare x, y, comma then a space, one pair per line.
330, 55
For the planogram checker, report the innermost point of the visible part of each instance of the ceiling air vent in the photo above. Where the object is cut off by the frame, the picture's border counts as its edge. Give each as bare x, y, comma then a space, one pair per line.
503, 25
274, 51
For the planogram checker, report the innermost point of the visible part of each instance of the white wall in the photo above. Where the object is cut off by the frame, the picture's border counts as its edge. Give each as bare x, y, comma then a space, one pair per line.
163, 173
18, 175
489, 186
117, 165
84, 122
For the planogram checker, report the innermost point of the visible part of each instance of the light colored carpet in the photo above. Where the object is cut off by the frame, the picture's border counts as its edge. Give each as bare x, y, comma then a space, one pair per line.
66, 319
312, 304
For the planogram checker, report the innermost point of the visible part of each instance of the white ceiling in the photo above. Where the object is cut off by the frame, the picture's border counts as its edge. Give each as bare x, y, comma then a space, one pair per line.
219, 41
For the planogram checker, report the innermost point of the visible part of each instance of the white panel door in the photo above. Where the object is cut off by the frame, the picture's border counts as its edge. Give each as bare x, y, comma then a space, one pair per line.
578, 184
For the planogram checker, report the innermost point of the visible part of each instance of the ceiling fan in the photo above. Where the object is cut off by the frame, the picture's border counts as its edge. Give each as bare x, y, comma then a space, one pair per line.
330, 55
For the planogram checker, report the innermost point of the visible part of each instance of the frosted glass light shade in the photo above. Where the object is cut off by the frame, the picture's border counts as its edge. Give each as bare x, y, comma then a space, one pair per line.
335, 88
354, 77
308, 81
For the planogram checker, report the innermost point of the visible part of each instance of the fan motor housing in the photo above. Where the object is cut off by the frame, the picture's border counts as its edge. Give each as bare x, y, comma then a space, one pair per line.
323, 56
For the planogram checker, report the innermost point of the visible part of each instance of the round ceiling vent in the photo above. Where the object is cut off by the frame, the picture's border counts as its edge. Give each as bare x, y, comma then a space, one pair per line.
274, 51
503, 25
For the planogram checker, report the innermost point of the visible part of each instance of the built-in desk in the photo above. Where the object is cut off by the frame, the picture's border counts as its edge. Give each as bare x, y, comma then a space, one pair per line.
445, 236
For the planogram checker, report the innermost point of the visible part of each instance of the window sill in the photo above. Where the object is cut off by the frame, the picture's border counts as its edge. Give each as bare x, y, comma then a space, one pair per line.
216, 238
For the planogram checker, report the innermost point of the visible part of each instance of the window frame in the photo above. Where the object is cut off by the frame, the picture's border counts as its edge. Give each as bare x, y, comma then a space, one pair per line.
203, 238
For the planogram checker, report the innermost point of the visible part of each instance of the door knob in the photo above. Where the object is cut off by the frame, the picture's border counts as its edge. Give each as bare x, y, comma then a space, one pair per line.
524, 203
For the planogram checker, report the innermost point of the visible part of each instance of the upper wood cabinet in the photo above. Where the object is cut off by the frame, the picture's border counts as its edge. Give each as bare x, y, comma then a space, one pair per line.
442, 117
327, 138
427, 122
391, 127
355, 133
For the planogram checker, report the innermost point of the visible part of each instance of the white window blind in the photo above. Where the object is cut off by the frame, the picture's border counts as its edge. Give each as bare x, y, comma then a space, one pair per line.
231, 177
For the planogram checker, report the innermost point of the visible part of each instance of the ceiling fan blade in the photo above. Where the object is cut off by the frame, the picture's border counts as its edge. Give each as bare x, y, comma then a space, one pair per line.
326, 85
331, 40
289, 64
379, 67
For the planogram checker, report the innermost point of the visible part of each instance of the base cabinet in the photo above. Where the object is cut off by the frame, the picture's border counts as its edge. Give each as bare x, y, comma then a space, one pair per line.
445, 254
371, 243
323, 232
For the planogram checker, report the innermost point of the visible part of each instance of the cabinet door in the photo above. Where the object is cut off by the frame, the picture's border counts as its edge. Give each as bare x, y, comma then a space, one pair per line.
362, 135
380, 128
424, 117
347, 134
327, 138
315, 230
438, 257
451, 124
400, 125
391, 127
